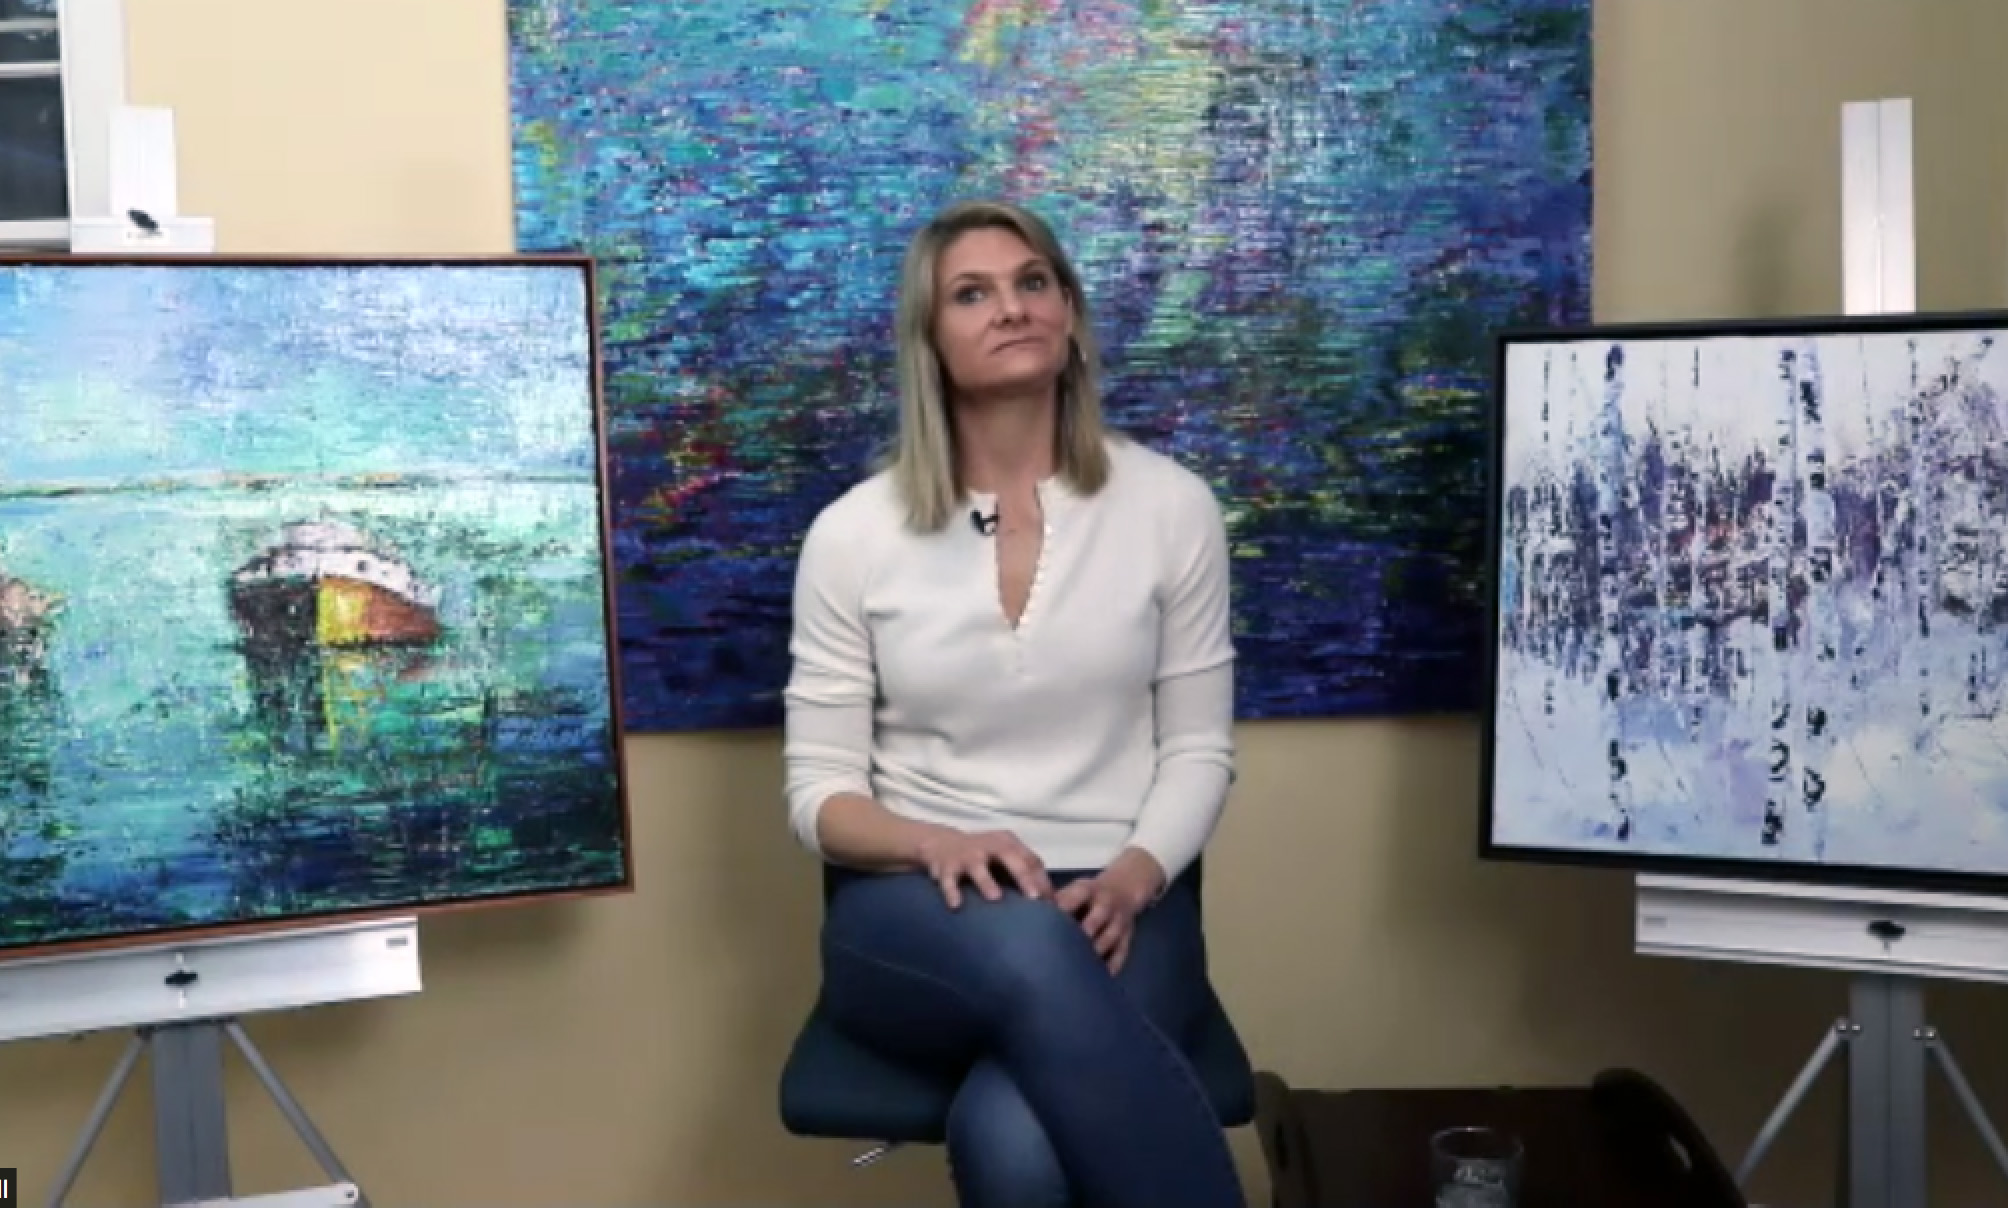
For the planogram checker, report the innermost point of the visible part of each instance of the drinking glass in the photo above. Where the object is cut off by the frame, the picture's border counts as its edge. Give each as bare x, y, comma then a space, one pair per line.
1476, 1168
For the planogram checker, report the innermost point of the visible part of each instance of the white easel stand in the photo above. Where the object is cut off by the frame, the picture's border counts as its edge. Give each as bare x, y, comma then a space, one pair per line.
1890, 941
127, 237
142, 215
183, 1002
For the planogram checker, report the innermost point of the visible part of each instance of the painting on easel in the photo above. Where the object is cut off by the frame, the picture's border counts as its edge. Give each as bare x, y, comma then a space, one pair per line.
302, 609
1751, 598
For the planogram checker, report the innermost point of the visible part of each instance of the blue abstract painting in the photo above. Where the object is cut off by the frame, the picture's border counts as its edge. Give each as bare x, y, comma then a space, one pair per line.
1299, 222
1752, 598
302, 603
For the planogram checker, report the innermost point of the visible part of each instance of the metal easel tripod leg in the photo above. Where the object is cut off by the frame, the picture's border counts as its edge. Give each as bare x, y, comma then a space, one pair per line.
1841, 1033
190, 1122
1970, 1102
1889, 1047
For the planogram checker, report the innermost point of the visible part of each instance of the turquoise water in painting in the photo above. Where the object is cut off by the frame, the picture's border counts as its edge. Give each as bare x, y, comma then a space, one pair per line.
160, 779
159, 428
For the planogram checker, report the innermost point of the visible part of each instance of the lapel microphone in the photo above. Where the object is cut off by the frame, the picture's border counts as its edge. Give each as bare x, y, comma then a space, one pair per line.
984, 525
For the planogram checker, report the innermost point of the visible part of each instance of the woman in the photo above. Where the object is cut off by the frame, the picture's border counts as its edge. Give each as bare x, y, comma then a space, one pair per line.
1010, 724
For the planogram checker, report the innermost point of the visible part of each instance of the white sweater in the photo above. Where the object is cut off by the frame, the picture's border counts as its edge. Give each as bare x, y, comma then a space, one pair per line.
1104, 719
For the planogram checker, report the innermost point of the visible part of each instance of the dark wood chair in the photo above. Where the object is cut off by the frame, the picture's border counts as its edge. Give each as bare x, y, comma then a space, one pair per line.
1620, 1142
1653, 1135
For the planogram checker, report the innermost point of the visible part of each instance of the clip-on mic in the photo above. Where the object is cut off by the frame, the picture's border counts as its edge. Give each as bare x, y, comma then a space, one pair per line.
984, 525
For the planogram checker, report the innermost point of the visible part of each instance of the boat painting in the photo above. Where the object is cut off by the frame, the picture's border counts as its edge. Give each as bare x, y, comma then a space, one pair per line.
304, 611
328, 585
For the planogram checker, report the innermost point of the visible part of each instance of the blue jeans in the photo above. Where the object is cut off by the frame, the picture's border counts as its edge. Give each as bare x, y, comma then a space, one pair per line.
1075, 1088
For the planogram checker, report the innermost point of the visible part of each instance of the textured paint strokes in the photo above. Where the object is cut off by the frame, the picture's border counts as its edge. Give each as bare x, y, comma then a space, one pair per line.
1298, 223
302, 607
1753, 597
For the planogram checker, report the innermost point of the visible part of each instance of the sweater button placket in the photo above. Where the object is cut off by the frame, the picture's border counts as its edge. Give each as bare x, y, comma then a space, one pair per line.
1032, 597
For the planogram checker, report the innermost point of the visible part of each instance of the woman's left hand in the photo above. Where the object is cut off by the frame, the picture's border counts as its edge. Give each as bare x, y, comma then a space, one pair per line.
1108, 903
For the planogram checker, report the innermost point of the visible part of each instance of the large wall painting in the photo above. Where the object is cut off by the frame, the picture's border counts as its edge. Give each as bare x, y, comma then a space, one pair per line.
1300, 222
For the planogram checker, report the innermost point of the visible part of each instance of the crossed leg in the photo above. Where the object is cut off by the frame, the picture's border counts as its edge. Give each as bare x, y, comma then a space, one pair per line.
1078, 1091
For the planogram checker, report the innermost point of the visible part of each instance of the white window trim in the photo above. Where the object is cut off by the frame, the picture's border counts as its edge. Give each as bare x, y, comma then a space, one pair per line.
93, 37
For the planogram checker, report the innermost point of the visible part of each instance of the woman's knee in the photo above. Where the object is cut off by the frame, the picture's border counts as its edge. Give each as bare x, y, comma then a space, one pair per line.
998, 1151
997, 950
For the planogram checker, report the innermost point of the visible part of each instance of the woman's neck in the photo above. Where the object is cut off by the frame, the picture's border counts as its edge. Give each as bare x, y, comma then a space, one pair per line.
1005, 446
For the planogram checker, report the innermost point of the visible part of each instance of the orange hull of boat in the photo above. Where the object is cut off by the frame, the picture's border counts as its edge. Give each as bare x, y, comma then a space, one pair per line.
352, 613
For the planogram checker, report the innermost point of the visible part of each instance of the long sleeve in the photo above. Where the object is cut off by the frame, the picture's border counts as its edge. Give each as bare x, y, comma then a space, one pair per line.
1195, 767
831, 685
1193, 699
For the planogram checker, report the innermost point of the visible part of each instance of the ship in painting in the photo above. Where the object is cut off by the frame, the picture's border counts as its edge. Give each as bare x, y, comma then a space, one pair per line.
325, 585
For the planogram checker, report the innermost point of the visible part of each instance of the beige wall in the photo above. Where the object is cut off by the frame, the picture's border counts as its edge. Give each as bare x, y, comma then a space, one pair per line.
625, 1051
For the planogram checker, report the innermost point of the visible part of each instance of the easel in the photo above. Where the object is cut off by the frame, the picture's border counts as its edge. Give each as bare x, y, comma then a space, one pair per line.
1890, 942
191, 1128
182, 1002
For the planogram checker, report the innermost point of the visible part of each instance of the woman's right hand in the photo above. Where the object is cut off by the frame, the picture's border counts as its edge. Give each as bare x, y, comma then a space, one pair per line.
953, 856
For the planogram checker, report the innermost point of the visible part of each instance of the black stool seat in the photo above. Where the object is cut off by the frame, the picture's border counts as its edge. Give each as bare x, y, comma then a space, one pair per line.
834, 1087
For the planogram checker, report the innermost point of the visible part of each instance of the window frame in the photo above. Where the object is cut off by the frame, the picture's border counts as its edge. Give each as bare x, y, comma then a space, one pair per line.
91, 65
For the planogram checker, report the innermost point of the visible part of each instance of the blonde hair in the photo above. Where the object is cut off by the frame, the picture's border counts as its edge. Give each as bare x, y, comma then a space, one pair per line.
922, 459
